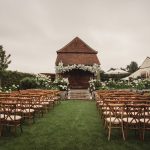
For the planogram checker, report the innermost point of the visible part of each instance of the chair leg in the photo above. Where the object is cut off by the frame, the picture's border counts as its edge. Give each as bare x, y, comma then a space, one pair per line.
1, 129
21, 128
123, 133
143, 134
109, 132
34, 117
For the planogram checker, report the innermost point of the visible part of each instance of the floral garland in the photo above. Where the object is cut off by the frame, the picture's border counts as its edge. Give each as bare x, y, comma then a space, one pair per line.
61, 68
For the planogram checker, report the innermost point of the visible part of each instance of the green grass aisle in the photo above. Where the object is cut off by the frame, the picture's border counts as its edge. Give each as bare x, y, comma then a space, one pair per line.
72, 125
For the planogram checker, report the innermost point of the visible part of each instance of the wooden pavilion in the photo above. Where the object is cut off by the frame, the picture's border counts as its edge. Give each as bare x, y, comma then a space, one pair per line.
77, 61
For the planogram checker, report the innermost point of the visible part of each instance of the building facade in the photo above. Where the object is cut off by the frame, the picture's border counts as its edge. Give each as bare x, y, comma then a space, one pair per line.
78, 62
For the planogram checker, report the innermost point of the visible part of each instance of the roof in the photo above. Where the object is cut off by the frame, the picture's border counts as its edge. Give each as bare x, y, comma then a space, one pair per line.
72, 58
77, 52
146, 63
49, 74
117, 71
144, 69
77, 46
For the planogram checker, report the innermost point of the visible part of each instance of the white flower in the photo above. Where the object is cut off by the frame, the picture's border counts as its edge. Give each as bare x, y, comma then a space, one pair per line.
60, 68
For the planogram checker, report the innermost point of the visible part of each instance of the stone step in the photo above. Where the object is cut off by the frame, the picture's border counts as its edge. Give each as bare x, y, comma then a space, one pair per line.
79, 94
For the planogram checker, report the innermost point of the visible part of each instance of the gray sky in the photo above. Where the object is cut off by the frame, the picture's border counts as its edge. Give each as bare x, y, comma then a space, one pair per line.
33, 30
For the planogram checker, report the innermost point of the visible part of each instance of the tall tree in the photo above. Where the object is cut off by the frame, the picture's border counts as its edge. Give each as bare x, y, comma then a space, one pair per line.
4, 62
132, 67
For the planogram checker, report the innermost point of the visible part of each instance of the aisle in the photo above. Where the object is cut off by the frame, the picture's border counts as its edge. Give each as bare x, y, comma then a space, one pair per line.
72, 125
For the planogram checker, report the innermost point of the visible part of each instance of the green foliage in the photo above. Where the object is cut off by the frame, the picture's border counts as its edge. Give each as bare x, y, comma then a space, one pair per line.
10, 88
28, 83
10, 78
61, 83
132, 67
44, 82
121, 84
143, 84
4, 59
112, 84
4, 62
94, 84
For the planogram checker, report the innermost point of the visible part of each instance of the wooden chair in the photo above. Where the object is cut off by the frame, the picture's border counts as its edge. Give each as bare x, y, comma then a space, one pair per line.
1, 119
11, 119
37, 105
145, 121
28, 113
132, 119
114, 119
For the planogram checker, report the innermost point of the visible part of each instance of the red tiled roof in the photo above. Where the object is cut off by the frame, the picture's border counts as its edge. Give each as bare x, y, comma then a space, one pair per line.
77, 46
77, 52
79, 58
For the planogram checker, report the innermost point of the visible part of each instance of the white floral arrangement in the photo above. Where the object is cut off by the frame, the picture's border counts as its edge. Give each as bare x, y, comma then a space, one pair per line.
43, 80
43, 77
62, 83
63, 87
94, 84
61, 68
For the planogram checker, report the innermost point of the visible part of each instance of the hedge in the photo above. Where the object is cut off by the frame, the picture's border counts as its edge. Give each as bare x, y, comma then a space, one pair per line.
13, 77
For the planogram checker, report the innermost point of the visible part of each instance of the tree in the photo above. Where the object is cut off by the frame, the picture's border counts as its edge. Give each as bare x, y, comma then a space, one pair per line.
4, 62
112, 69
132, 67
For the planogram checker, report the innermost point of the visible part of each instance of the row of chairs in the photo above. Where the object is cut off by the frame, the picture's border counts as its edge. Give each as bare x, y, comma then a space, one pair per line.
19, 106
124, 110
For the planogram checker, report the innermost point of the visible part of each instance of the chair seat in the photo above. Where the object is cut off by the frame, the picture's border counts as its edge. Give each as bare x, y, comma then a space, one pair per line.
28, 110
37, 106
50, 100
26, 106
2, 116
146, 113
147, 121
45, 103
123, 113
17, 110
130, 120
107, 113
13, 118
105, 108
56, 98
114, 120
100, 104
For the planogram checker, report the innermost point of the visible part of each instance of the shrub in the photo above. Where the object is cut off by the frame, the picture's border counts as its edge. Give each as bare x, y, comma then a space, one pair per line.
44, 82
61, 83
28, 83
10, 78
94, 85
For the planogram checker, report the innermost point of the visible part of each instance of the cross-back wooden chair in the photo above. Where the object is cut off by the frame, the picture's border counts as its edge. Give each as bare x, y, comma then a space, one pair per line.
11, 119
145, 121
28, 113
132, 119
115, 118
1, 119
37, 105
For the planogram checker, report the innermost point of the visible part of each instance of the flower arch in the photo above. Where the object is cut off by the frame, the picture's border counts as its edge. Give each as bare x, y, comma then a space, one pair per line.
95, 68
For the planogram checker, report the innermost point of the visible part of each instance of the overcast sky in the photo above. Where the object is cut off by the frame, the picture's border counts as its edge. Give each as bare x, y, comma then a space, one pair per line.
33, 30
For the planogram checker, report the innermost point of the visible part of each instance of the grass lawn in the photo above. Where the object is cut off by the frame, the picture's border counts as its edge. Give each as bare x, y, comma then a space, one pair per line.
72, 125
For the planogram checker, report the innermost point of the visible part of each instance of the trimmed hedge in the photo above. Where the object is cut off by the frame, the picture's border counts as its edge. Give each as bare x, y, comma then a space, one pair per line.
13, 77
116, 77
